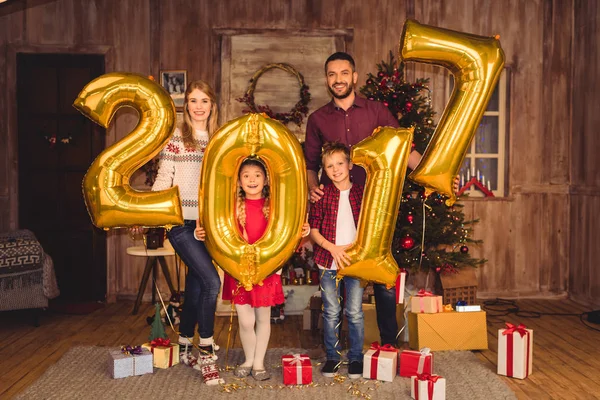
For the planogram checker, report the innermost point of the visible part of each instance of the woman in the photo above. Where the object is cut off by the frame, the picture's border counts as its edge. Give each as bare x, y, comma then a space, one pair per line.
179, 164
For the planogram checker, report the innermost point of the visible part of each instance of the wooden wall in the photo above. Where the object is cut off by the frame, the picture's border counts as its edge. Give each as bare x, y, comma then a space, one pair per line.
534, 244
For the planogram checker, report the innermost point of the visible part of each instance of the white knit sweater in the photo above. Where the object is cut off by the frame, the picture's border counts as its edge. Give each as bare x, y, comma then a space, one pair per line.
180, 166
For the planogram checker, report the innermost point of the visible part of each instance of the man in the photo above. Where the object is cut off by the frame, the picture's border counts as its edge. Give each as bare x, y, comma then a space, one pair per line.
350, 119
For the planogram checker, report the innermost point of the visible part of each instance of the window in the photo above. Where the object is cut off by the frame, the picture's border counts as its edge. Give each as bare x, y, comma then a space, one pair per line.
487, 156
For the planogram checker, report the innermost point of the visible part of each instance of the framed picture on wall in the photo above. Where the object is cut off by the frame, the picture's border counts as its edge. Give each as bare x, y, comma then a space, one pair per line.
175, 82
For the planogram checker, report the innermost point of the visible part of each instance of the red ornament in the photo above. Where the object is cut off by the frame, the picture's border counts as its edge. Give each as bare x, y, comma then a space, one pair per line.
385, 103
410, 218
464, 249
408, 106
407, 243
438, 269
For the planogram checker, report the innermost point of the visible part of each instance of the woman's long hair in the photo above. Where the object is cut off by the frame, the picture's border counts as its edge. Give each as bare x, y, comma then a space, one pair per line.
187, 129
241, 198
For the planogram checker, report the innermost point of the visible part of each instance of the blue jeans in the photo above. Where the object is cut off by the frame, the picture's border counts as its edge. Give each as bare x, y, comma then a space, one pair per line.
202, 282
385, 306
331, 316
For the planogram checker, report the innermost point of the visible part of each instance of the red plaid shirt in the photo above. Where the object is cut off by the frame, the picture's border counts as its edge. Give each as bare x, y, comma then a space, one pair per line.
323, 216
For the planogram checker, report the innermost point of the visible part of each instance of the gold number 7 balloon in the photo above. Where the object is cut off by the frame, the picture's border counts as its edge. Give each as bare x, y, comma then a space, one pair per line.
110, 200
476, 63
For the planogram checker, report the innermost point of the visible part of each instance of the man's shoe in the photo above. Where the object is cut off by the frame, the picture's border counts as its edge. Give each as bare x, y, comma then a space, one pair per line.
355, 369
330, 368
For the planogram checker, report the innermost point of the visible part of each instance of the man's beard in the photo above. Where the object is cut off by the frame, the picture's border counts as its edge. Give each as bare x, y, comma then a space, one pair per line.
343, 95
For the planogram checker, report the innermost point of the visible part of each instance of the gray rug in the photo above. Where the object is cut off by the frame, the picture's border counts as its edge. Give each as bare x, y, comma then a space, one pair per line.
82, 373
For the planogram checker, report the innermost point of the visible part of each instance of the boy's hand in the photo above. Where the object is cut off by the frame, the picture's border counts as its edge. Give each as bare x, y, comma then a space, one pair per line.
199, 232
316, 192
339, 255
305, 229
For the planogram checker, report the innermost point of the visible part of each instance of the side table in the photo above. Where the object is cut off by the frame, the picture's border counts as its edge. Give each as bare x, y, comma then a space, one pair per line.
154, 257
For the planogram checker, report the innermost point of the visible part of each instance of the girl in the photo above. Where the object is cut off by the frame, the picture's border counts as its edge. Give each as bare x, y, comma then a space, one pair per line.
253, 307
180, 164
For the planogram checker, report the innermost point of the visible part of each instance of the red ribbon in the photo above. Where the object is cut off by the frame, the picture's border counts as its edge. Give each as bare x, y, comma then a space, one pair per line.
431, 380
378, 349
160, 342
424, 293
509, 331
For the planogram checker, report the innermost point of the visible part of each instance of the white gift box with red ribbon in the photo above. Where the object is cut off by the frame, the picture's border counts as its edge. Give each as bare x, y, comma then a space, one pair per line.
297, 369
380, 362
515, 351
426, 302
400, 281
427, 387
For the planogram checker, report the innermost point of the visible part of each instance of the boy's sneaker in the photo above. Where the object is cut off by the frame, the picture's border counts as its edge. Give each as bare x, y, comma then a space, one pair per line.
355, 369
330, 368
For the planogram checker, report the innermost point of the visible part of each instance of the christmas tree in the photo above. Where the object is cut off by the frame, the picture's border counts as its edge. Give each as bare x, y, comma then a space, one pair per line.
429, 235
158, 327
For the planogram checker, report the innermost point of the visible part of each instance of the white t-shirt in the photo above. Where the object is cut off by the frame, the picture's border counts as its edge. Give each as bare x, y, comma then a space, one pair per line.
345, 229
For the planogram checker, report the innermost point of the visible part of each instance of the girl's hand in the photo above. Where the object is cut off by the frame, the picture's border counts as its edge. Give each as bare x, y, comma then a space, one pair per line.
339, 255
199, 232
305, 229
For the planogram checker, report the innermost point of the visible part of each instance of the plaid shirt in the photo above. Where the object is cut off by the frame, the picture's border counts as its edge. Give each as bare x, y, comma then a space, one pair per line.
323, 216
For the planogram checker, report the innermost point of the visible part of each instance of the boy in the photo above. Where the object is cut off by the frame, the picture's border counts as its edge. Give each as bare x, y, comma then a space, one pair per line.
333, 221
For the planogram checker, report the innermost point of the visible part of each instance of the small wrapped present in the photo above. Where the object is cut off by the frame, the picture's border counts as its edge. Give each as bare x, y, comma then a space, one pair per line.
130, 361
426, 302
297, 369
448, 331
166, 354
515, 351
427, 387
415, 362
462, 306
380, 362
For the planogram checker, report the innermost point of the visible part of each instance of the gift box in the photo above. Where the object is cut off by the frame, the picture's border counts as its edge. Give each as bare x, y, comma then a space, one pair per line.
426, 302
380, 362
306, 319
166, 354
297, 369
130, 361
448, 331
468, 308
415, 362
400, 281
515, 351
371, 327
427, 387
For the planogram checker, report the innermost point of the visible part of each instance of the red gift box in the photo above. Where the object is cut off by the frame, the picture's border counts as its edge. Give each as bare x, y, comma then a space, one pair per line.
297, 369
416, 362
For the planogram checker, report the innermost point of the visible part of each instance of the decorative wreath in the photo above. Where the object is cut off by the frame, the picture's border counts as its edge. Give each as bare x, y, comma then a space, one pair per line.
296, 114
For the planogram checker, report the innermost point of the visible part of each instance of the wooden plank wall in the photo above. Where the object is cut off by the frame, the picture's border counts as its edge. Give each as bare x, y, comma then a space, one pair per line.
529, 237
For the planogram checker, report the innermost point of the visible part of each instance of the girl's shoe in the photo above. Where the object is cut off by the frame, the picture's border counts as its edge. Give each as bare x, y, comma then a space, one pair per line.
260, 374
241, 371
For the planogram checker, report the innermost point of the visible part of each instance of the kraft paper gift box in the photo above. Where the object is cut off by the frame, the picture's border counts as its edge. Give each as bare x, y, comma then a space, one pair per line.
130, 361
515, 351
414, 362
166, 354
426, 302
297, 369
448, 331
427, 387
380, 362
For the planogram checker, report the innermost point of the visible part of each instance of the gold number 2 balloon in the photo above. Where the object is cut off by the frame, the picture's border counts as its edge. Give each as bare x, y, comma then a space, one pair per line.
110, 200
385, 157
476, 63
253, 135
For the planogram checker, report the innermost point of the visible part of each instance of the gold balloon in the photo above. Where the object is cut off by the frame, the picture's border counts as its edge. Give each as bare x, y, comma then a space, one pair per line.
253, 135
110, 200
384, 155
476, 63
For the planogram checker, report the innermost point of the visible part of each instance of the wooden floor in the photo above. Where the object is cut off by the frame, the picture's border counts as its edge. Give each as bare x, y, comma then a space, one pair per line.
566, 353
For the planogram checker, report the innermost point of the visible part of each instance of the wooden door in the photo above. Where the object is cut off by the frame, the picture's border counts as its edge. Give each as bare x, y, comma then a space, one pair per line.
56, 146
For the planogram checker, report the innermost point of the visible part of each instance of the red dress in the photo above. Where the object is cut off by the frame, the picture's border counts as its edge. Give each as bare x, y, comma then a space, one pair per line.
271, 292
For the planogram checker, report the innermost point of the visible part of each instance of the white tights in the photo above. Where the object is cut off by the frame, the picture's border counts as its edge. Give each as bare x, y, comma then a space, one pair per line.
254, 341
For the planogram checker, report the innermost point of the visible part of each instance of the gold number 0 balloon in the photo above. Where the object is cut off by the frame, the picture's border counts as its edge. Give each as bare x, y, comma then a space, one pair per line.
385, 157
476, 63
249, 135
110, 200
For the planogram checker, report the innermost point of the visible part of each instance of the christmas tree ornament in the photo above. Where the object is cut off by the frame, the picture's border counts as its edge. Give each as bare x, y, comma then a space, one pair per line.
110, 200
410, 218
464, 249
408, 243
476, 63
252, 135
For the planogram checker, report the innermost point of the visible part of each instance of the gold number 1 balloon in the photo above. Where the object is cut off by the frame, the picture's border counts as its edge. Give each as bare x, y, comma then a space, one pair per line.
384, 155
110, 200
253, 135
476, 63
